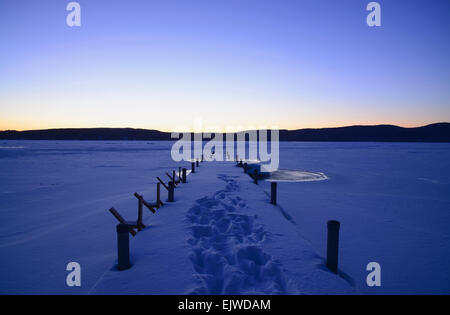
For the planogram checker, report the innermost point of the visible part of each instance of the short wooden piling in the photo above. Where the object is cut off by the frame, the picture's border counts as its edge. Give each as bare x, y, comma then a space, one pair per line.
333, 245
140, 224
145, 203
162, 183
123, 247
184, 175
193, 167
158, 195
171, 192
273, 193
196, 163
170, 176
255, 176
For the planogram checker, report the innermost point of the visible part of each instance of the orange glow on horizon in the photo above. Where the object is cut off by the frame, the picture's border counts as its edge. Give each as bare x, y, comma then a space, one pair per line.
31, 125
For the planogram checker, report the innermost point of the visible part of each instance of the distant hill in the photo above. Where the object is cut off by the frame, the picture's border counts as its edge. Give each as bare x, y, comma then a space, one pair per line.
381, 133
86, 134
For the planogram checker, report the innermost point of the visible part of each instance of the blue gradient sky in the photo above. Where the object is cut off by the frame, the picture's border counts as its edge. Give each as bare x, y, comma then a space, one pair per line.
241, 63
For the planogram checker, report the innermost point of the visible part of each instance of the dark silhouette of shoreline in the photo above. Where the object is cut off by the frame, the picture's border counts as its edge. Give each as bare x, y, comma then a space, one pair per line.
439, 132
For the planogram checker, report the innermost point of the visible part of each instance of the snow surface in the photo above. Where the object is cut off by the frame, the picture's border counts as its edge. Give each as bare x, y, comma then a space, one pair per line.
222, 235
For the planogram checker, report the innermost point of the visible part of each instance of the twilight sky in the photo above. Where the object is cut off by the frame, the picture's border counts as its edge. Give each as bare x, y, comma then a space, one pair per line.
162, 64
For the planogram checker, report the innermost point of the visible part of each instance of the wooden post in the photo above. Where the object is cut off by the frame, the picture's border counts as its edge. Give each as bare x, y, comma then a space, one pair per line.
193, 167
255, 176
158, 195
145, 203
122, 221
333, 245
140, 224
273, 193
123, 247
202, 158
171, 192
170, 177
184, 175
162, 183
196, 163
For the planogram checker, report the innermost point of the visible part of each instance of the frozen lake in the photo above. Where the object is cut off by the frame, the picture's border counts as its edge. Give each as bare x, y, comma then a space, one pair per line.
392, 200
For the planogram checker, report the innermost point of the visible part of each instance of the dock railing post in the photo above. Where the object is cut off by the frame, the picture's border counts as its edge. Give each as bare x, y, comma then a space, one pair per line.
123, 247
333, 245
140, 214
196, 163
273, 193
158, 195
184, 175
255, 176
171, 191
193, 167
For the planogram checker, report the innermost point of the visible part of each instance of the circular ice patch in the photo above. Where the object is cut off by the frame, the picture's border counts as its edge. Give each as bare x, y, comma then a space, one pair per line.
295, 176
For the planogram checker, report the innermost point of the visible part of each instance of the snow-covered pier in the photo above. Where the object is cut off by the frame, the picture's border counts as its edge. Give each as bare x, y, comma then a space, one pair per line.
221, 236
